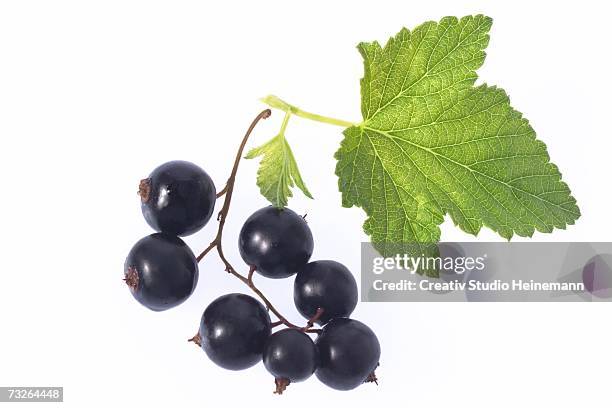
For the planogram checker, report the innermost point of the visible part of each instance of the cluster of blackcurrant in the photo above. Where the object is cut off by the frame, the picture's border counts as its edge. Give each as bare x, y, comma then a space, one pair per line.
178, 199
235, 330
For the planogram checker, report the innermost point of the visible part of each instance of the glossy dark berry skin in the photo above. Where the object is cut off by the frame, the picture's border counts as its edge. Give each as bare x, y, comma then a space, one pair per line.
328, 285
277, 242
161, 271
348, 353
178, 198
290, 354
233, 331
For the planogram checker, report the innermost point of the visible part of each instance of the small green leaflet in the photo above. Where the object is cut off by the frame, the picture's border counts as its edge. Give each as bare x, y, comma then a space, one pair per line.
278, 171
431, 143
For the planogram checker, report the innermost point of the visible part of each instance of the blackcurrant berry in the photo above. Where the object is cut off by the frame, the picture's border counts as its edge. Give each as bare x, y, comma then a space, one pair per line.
276, 242
178, 198
233, 331
290, 356
161, 271
349, 353
328, 285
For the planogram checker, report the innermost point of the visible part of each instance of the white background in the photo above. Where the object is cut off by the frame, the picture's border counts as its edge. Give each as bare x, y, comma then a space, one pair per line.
95, 94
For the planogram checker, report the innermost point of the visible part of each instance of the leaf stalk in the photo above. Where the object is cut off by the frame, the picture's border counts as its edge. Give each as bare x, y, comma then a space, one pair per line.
277, 103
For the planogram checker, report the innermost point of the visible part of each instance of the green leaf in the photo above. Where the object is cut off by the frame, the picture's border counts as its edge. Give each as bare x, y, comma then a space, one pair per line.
431, 143
278, 171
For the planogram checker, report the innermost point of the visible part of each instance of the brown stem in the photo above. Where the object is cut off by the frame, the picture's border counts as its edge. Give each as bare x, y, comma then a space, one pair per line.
250, 276
313, 319
222, 192
207, 250
228, 191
